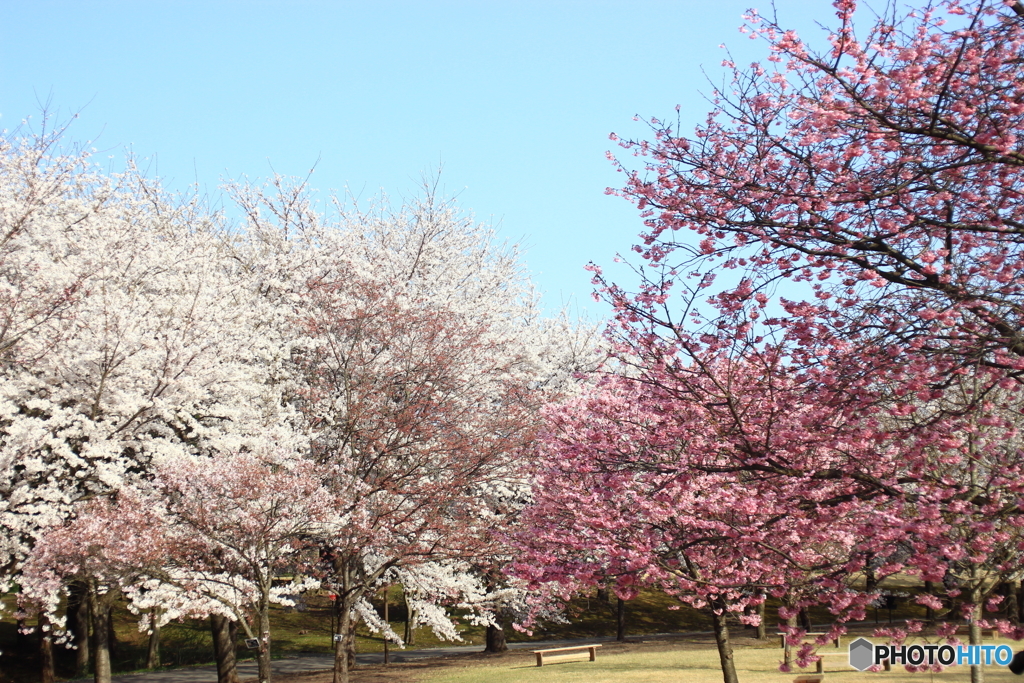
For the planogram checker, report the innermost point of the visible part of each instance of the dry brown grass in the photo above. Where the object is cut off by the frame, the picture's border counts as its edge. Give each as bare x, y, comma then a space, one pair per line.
690, 660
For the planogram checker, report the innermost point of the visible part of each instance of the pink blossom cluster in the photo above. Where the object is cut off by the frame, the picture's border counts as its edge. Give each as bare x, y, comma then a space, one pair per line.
818, 382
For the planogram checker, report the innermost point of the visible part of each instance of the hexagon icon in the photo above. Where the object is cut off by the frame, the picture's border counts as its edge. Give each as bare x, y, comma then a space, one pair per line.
862, 654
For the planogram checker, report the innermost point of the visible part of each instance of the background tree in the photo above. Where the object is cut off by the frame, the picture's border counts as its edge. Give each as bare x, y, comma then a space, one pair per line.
152, 355
412, 410
397, 354
239, 521
46, 191
418, 360
104, 546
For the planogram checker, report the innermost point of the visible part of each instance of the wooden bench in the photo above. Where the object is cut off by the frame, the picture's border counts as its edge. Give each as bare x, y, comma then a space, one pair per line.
592, 649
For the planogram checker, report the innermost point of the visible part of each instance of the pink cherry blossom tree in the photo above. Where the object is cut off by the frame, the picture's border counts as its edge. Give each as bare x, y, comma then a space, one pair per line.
210, 537
717, 488
239, 522
107, 545
880, 173
878, 181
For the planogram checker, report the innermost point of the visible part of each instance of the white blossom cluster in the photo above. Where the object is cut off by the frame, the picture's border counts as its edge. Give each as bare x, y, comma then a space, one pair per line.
358, 354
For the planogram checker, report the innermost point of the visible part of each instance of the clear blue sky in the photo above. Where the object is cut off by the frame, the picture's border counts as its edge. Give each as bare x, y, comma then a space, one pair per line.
514, 98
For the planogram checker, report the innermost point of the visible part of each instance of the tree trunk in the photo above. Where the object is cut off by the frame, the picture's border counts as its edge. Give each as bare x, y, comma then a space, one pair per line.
46, 667
341, 646
263, 653
718, 614
929, 589
762, 627
112, 644
620, 620
974, 630
977, 671
870, 580
410, 622
349, 590
22, 640
1020, 602
1013, 602
153, 652
78, 621
1006, 589
387, 621
495, 637
805, 620
225, 635
100, 636
787, 652
350, 643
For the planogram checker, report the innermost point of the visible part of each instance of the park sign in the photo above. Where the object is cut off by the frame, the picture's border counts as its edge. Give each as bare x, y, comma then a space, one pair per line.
865, 654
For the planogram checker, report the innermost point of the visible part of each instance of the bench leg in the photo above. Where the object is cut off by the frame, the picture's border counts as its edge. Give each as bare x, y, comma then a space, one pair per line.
821, 666
540, 659
593, 653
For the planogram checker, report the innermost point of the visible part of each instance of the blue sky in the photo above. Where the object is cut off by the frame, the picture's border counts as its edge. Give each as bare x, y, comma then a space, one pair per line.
514, 99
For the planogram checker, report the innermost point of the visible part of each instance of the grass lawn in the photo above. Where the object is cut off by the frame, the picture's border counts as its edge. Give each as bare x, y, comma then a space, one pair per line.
692, 659
294, 632
688, 666
660, 662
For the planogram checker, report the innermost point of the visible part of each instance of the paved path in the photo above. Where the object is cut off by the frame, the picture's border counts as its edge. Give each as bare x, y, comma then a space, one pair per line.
324, 662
